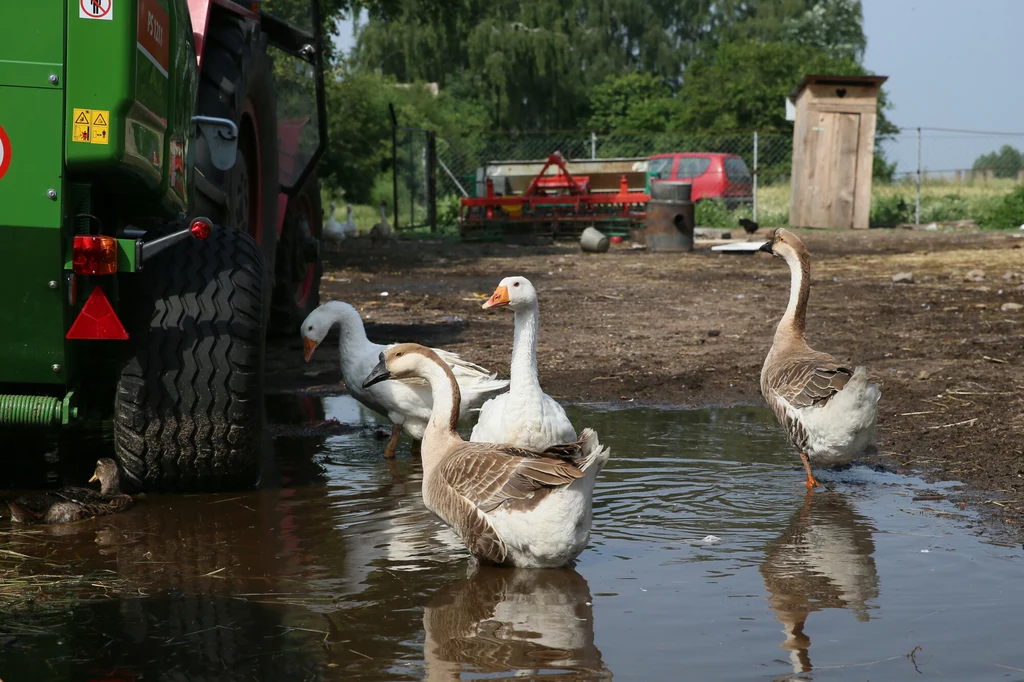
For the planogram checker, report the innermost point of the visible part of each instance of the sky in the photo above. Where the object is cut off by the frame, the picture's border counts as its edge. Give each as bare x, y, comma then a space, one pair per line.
951, 64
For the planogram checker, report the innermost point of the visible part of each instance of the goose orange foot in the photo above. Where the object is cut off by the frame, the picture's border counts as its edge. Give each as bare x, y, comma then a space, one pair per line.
812, 482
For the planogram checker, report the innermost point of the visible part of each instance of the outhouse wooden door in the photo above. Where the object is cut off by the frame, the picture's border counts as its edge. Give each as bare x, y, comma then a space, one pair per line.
831, 152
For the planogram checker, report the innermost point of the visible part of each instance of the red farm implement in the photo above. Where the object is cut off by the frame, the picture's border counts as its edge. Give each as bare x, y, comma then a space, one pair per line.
556, 203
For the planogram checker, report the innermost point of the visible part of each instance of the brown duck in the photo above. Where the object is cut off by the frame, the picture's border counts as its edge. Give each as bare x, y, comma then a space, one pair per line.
75, 503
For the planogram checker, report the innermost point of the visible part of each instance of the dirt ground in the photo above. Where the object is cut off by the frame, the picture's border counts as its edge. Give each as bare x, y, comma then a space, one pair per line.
692, 329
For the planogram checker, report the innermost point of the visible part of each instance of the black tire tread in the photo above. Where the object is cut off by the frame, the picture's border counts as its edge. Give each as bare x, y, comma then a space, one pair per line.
188, 409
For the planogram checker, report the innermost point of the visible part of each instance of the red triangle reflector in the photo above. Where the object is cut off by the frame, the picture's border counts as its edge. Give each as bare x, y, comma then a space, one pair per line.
97, 321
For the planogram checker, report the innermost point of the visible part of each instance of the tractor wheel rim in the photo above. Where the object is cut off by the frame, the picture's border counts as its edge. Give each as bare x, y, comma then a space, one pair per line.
239, 216
250, 183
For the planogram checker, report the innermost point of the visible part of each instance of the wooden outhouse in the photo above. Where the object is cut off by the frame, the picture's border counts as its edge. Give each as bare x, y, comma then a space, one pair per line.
833, 150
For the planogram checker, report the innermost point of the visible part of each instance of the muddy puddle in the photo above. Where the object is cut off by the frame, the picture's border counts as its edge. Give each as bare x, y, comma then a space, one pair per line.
708, 561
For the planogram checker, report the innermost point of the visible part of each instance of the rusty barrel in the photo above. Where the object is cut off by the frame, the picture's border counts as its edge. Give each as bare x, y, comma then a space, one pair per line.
669, 224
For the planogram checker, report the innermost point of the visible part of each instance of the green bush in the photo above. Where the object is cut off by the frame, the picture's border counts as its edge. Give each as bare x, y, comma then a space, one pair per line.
713, 213
891, 210
448, 211
946, 208
1007, 213
383, 190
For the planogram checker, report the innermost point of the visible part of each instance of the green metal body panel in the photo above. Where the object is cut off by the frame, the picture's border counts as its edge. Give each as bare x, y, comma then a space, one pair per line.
149, 106
61, 176
55, 187
32, 317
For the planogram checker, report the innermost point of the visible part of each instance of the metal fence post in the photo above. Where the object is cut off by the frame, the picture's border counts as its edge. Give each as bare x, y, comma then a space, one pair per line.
593, 144
412, 180
432, 179
917, 200
394, 160
754, 218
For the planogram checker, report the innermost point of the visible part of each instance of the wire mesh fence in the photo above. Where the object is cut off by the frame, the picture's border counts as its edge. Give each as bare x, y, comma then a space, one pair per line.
929, 175
414, 165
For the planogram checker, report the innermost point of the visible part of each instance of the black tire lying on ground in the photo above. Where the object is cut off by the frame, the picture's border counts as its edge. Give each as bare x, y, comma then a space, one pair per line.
189, 407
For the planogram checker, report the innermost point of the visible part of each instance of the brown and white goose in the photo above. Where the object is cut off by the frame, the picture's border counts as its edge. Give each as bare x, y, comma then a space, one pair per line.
828, 410
510, 506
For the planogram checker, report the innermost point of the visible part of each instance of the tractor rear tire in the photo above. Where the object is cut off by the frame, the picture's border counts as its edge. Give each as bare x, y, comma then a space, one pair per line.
237, 83
299, 260
188, 413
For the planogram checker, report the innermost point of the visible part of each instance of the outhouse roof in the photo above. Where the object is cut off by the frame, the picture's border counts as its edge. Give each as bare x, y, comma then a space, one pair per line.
833, 79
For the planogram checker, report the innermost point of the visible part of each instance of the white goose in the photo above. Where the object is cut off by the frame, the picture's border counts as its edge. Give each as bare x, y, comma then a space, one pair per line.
406, 403
333, 230
525, 416
348, 228
511, 506
829, 411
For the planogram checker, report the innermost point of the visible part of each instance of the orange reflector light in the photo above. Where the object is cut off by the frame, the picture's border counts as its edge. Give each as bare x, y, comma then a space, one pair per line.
97, 321
94, 255
200, 228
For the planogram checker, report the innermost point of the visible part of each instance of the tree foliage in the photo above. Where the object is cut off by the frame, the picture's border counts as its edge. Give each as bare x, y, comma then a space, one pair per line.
531, 64
1004, 163
684, 66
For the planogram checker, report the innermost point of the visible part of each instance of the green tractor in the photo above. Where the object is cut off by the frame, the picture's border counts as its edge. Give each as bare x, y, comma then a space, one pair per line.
159, 205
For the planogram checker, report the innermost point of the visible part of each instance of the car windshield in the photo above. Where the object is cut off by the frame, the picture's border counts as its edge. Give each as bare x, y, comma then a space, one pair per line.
661, 167
736, 170
692, 166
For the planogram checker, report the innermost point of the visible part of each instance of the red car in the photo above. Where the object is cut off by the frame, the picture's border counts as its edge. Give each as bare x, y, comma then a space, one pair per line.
714, 175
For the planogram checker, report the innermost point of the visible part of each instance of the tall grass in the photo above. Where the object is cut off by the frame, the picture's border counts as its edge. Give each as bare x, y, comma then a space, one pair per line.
994, 204
997, 204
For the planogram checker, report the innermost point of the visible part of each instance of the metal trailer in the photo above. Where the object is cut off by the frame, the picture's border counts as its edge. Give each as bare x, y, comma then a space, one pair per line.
555, 202
160, 213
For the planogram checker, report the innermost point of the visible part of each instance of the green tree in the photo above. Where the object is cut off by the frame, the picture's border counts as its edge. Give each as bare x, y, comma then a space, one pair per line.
834, 26
1005, 163
359, 129
531, 64
630, 102
743, 85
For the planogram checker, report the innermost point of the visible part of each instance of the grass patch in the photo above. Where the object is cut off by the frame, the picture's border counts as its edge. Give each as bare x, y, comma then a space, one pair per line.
998, 204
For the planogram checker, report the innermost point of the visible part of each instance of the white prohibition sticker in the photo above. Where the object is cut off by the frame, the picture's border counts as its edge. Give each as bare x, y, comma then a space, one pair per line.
96, 9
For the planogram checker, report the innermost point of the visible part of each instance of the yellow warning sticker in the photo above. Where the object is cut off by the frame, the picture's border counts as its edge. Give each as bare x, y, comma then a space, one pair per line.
91, 126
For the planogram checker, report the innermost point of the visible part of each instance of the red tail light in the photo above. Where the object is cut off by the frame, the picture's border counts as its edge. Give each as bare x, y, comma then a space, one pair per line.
200, 228
94, 255
97, 321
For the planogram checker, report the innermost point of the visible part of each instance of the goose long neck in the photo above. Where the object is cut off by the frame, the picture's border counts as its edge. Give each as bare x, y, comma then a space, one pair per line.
444, 416
523, 370
350, 331
383, 217
794, 320
352, 341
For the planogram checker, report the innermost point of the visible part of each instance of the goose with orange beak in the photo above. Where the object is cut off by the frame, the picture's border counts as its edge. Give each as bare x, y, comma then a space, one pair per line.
406, 403
499, 298
525, 416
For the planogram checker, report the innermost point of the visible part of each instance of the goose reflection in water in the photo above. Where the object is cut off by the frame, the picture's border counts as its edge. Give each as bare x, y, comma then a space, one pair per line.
522, 622
823, 560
